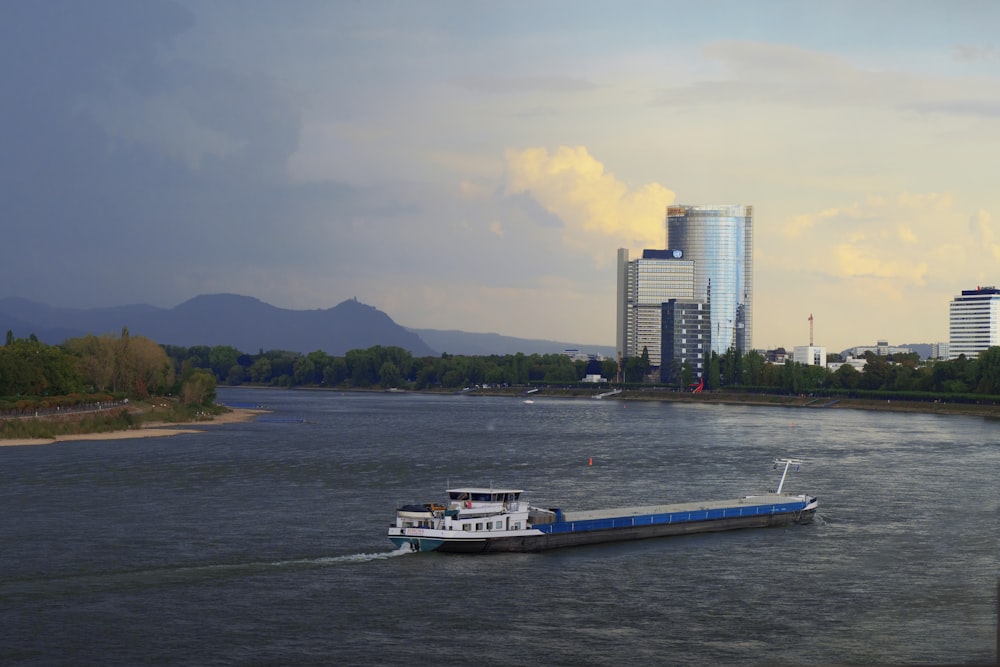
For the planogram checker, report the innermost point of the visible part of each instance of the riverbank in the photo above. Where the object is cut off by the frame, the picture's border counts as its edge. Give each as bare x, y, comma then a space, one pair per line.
985, 409
148, 430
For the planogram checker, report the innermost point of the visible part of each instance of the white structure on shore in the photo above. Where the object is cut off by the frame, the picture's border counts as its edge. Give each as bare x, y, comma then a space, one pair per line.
810, 355
881, 348
974, 322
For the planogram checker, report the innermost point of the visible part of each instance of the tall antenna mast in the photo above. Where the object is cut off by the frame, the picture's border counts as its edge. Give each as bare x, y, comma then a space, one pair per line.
810, 329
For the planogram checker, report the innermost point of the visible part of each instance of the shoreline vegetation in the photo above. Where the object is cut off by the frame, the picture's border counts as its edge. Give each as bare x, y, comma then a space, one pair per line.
149, 428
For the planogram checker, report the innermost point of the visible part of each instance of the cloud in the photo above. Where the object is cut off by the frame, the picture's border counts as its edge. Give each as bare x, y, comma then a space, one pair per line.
981, 225
882, 246
525, 84
597, 210
973, 53
855, 212
862, 259
779, 74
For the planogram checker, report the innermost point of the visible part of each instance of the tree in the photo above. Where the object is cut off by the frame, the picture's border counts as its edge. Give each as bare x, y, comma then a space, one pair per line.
221, 358
260, 370
713, 373
876, 373
687, 374
305, 371
235, 376
609, 369
150, 369
988, 371
31, 368
134, 365
846, 377
753, 368
198, 389
388, 375
634, 370
335, 372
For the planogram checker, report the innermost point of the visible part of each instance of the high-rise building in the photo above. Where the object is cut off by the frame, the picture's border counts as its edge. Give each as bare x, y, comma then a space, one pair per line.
644, 285
686, 338
719, 239
973, 322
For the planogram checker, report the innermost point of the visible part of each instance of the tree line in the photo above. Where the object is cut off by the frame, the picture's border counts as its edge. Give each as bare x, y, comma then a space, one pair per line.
137, 366
380, 367
107, 365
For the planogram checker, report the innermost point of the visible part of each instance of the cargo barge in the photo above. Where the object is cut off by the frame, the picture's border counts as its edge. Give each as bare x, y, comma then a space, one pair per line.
482, 520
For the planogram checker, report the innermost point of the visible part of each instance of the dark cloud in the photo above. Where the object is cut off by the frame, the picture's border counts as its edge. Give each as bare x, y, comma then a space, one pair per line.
125, 168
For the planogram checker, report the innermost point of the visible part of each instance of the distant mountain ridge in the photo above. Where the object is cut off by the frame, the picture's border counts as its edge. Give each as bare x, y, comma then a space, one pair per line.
483, 344
250, 325
243, 322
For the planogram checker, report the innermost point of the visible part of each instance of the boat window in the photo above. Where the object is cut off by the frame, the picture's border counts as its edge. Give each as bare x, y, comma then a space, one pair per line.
517, 525
466, 526
479, 526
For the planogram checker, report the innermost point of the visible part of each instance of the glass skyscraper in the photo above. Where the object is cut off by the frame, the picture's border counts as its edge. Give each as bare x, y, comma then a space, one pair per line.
720, 241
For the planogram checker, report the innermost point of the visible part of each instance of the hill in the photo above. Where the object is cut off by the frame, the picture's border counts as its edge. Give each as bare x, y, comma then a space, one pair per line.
243, 322
482, 344
250, 325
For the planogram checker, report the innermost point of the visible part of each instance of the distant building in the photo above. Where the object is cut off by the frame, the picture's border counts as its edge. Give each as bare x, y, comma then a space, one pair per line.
719, 239
594, 370
776, 356
973, 322
644, 285
939, 350
686, 338
881, 348
810, 355
854, 362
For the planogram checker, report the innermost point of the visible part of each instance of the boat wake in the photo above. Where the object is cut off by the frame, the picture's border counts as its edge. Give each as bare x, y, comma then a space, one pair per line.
184, 575
351, 558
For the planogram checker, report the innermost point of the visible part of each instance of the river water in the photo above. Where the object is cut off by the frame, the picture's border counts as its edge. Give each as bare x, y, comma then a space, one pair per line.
264, 542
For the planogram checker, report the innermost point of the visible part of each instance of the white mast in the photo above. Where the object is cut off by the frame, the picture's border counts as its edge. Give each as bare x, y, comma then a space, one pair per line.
788, 463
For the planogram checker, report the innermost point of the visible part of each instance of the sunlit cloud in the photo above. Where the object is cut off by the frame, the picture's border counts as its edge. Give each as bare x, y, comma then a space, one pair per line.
893, 240
598, 210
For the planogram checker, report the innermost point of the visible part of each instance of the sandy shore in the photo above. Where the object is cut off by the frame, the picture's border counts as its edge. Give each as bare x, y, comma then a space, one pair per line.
149, 430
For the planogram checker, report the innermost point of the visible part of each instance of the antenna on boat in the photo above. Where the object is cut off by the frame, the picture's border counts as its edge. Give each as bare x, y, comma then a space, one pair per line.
788, 463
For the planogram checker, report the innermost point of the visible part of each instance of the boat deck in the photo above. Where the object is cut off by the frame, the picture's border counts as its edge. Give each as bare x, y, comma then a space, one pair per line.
763, 499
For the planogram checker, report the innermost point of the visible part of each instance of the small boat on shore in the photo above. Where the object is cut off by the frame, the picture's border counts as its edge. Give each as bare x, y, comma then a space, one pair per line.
481, 520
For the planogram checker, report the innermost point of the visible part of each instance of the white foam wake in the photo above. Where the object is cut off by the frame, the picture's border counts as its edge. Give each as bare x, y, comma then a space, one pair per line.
350, 558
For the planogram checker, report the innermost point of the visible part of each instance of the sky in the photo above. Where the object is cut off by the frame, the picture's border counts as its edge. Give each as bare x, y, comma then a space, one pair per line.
476, 166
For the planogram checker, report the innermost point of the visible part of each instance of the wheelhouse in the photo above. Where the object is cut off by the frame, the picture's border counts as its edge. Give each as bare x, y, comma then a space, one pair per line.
479, 495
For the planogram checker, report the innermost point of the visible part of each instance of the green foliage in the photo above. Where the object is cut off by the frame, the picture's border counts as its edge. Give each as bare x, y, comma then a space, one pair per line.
385, 367
113, 420
31, 368
198, 389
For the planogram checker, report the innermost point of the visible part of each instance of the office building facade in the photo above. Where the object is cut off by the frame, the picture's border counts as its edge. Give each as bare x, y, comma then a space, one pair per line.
644, 285
686, 338
973, 322
719, 240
